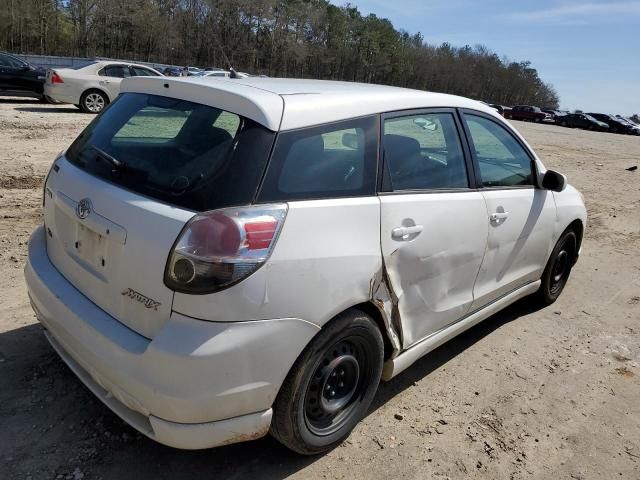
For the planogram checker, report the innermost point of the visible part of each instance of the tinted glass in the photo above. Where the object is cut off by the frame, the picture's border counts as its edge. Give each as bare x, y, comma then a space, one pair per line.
143, 72
424, 152
182, 153
7, 61
335, 160
117, 71
503, 161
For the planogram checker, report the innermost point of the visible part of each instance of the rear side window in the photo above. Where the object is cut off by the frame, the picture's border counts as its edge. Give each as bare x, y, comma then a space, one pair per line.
183, 153
334, 160
116, 71
7, 61
502, 160
424, 152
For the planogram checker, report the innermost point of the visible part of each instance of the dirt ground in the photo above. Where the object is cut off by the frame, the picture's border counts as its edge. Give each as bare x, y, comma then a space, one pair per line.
548, 394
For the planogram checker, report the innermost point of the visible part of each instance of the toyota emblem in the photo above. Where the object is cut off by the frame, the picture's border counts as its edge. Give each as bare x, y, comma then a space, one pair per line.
83, 209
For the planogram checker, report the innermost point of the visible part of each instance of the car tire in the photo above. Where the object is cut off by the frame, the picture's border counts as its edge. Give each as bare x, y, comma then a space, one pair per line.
564, 124
558, 268
93, 101
331, 386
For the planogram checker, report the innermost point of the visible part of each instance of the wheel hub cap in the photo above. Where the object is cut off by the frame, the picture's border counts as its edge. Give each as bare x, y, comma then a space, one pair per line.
335, 387
94, 102
339, 382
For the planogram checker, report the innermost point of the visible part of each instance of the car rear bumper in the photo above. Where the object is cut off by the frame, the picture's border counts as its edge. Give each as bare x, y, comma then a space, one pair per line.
60, 93
196, 384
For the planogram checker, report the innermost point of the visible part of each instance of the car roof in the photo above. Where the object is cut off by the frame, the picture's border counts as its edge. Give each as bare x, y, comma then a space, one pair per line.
287, 104
97, 65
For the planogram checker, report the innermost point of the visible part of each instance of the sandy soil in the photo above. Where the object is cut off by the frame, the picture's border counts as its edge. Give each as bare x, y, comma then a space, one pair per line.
552, 393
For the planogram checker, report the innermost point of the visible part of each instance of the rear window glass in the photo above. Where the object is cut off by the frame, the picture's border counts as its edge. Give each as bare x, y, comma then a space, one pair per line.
186, 154
334, 160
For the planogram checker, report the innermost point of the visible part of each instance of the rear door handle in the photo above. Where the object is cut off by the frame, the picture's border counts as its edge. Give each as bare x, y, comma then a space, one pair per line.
406, 233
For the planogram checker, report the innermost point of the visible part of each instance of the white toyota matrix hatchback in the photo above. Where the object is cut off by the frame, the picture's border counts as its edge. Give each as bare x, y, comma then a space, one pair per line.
221, 259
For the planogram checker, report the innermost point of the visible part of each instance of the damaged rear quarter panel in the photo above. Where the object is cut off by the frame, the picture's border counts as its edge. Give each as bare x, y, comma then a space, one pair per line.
323, 263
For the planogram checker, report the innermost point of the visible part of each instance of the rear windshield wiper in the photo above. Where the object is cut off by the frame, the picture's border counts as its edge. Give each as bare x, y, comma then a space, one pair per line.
114, 162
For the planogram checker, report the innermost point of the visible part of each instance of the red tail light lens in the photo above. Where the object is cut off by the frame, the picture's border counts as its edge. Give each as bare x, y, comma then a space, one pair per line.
218, 249
55, 78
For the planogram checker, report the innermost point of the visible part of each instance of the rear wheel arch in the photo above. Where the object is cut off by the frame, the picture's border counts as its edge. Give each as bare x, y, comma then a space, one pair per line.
293, 402
374, 312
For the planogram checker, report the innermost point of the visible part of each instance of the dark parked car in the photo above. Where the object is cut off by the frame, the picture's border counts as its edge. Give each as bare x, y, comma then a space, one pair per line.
172, 72
527, 112
635, 128
19, 79
583, 120
616, 125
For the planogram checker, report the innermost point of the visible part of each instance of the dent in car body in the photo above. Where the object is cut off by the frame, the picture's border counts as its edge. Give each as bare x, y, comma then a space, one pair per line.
386, 301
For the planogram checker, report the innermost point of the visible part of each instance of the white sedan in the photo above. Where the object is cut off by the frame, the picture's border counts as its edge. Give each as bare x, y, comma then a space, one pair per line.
92, 87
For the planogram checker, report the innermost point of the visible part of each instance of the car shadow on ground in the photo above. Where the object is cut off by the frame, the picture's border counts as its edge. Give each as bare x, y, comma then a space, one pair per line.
10, 100
49, 109
39, 393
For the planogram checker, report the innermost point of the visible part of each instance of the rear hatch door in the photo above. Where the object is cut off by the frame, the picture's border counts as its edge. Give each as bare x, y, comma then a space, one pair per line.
117, 200
112, 245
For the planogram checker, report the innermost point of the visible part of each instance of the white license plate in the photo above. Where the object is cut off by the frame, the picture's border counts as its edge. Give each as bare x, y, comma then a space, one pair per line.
91, 247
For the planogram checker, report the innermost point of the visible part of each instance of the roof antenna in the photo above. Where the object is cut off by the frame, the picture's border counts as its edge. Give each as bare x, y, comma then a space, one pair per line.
232, 72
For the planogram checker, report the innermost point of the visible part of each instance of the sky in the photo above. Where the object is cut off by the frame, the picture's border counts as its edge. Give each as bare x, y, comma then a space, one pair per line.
588, 50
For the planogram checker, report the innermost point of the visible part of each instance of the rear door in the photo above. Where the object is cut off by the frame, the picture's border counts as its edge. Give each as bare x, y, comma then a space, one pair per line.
433, 225
521, 216
112, 76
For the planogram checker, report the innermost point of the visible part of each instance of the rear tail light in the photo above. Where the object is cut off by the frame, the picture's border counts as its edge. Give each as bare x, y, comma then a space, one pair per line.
218, 249
55, 78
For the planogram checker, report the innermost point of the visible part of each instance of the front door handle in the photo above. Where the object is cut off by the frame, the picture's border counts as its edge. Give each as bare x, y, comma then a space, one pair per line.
498, 216
406, 233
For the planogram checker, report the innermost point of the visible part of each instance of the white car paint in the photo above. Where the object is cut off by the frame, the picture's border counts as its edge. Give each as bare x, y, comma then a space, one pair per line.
196, 371
78, 81
330, 101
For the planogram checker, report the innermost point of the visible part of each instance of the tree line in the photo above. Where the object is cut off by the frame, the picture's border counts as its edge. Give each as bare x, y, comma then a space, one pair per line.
293, 38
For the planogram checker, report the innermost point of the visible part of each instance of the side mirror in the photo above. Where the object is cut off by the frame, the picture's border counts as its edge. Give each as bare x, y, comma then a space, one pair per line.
350, 140
24, 67
554, 181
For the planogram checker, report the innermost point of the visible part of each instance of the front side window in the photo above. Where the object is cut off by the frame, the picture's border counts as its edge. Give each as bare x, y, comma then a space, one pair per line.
183, 153
143, 72
502, 160
424, 152
334, 160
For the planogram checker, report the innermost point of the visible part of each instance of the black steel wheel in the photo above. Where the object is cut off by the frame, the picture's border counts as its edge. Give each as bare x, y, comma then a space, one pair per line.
558, 268
331, 385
